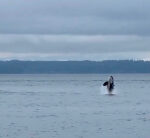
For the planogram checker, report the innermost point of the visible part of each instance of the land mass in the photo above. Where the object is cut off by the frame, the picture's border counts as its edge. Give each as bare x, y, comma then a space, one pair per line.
49, 67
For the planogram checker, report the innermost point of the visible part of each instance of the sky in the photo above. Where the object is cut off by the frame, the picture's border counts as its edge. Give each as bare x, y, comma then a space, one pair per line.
74, 29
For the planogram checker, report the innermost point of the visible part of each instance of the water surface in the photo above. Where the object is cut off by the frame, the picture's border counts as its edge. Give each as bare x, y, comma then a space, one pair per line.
74, 106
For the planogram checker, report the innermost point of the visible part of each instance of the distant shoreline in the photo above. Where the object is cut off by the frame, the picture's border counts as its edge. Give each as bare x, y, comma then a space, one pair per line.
74, 67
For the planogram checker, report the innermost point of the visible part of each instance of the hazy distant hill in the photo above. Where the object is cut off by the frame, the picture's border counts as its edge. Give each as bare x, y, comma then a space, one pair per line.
120, 66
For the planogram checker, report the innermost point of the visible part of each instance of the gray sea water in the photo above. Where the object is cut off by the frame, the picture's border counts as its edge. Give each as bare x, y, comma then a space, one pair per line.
74, 106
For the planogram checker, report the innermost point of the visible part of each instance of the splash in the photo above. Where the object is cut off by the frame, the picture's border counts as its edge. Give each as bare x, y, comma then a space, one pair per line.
104, 91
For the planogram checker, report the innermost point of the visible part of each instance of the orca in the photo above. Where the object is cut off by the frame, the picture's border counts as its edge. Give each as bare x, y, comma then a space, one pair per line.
109, 84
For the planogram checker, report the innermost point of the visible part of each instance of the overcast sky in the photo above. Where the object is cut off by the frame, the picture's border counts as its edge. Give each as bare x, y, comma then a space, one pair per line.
74, 29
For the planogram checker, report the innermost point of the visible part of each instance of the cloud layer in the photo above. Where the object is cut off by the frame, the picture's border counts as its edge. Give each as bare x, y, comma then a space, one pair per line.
74, 47
75, 17
74, 29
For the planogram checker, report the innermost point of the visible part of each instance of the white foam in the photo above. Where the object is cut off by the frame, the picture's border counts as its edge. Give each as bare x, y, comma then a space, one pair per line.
104, 91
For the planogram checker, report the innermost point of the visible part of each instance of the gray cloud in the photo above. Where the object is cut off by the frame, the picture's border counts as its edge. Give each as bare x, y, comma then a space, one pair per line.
75, 17
74, 29
74, 47
73, 43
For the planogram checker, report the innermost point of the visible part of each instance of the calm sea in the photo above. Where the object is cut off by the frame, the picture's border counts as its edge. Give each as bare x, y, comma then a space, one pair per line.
74, 106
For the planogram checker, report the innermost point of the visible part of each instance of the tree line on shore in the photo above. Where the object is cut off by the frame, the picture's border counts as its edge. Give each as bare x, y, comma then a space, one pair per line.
43, 67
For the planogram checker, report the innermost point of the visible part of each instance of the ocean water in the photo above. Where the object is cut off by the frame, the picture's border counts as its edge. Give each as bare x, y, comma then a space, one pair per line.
74, 106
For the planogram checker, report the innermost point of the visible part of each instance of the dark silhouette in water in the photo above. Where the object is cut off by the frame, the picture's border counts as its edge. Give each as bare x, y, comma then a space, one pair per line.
109, 84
